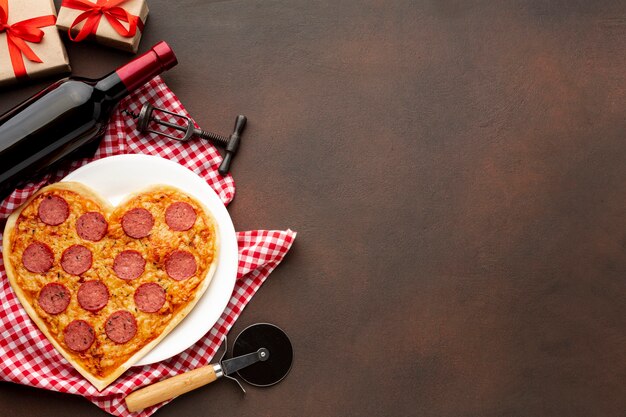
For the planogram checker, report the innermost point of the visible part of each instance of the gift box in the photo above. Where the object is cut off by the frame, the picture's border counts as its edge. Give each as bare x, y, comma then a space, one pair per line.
115, 23
30, 45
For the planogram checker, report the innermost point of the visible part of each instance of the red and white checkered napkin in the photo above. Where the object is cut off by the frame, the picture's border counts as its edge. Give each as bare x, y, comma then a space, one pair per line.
26, 356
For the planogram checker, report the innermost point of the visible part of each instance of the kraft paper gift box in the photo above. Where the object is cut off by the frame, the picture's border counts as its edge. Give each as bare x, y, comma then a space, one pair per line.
115, 23
30, 45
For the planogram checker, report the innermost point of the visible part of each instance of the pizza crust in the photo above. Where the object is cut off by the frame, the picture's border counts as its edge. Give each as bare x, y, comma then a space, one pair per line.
102, 382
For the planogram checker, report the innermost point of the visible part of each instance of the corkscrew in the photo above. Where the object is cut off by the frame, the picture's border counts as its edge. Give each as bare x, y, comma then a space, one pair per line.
146, 118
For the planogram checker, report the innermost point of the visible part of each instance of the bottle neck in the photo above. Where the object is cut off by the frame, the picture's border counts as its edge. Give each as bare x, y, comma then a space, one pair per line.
137, 72
112, 87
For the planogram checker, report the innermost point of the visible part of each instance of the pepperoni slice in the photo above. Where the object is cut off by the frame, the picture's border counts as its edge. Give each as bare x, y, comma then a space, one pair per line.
54, 298
149, 297
180, 265
79, 335
129, 264
180, 216
53, 210
92, 226
93, 295
76, 260
37, 257
121, 326
137, 223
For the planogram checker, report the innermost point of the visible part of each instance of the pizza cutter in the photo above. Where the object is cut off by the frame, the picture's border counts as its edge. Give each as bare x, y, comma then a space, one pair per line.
262, 356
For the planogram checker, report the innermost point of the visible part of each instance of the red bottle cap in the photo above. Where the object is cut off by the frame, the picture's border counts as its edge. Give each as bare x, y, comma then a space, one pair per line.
165, 54
147, 66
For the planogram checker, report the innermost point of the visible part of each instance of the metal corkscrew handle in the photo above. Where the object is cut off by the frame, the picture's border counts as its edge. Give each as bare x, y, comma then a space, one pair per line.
233, 144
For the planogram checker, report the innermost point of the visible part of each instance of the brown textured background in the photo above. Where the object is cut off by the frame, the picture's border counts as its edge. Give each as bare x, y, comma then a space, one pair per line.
456, 171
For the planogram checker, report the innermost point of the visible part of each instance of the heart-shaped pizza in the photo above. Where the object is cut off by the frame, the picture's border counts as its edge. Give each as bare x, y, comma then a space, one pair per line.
105, 284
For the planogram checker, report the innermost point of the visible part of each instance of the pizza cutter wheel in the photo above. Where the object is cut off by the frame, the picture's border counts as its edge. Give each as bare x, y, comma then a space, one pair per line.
262, 356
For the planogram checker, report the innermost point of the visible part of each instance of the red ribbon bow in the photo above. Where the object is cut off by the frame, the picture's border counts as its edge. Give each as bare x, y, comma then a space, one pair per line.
21, 32
93, 12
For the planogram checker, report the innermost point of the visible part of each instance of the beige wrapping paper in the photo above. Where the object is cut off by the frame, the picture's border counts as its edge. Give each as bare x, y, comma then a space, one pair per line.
50, 49
105, 34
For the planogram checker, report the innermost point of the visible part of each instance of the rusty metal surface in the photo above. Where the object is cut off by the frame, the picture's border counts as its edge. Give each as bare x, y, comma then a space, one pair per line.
456, 172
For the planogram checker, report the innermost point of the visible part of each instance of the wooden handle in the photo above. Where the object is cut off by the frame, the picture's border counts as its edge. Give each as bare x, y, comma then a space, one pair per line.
170, 388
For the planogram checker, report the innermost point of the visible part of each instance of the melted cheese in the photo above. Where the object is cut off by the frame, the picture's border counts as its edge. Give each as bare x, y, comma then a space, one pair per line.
104, 355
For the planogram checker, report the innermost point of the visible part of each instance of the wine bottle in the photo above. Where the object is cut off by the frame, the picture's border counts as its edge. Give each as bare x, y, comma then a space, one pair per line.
68, 117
